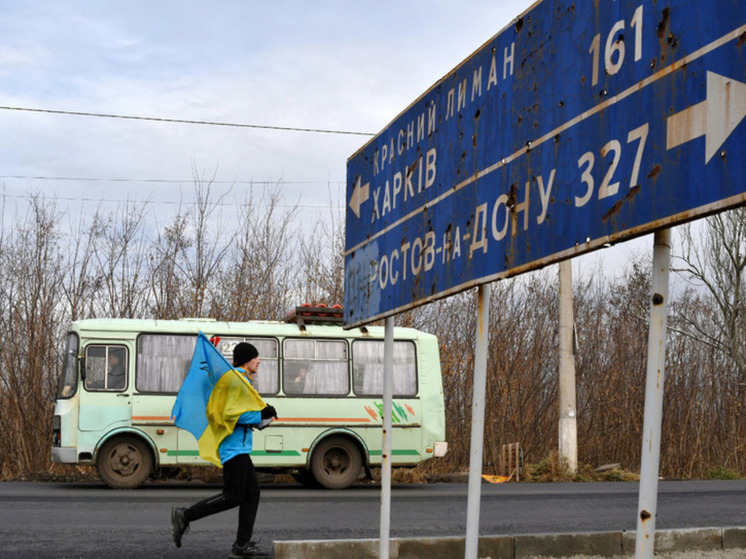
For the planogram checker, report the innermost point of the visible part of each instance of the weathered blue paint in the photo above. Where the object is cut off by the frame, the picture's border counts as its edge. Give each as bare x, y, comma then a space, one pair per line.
488, 173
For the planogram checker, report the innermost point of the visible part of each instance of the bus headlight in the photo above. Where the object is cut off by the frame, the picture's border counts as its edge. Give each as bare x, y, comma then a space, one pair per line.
440, 448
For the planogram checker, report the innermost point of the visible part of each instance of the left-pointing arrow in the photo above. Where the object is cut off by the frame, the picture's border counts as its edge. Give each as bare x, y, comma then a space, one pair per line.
360, 194
715, 117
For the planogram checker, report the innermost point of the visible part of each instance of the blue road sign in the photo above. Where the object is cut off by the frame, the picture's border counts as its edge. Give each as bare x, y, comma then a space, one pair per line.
580, 124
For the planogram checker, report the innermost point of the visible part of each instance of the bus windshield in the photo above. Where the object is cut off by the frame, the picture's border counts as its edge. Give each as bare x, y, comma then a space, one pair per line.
69, 379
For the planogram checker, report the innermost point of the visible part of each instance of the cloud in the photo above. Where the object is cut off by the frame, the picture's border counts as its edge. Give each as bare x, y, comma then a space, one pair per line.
327, 64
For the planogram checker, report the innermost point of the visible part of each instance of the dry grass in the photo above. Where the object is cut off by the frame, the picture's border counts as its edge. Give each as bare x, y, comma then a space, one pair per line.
554, 468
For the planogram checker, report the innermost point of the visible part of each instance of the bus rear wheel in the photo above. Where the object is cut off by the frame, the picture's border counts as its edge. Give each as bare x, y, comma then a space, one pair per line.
336, 463
124, 462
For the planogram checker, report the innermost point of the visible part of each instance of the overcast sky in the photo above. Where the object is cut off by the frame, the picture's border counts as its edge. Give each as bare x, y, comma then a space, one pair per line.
347, 66
331, 65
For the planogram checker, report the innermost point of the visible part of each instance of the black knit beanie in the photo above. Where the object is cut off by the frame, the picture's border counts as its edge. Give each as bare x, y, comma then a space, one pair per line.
243, 353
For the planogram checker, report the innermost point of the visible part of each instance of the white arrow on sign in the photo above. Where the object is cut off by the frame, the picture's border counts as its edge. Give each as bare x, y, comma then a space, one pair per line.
715, 117
359, 195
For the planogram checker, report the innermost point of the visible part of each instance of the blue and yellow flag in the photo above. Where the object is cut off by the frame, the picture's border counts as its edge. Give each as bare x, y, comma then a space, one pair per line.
212, 398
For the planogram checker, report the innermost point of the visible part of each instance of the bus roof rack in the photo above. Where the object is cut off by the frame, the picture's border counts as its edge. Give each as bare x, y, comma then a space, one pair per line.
315, 314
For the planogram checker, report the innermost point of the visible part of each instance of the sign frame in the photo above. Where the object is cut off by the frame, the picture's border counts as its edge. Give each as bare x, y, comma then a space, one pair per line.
514, 175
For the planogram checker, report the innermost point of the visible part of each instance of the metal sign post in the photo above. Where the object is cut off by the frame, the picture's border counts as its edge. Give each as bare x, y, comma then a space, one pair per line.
651, 431
388, 392
477, 422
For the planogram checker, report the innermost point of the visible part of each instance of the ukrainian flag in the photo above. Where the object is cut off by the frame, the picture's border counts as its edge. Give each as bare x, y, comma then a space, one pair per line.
212, 398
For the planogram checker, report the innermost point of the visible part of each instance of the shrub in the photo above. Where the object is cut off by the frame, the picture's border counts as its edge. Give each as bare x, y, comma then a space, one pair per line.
721, 472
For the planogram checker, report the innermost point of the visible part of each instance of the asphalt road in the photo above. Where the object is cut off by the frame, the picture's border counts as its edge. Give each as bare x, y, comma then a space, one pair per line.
89, 520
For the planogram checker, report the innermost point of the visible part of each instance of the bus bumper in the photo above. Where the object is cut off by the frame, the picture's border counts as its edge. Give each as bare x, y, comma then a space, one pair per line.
64, 454
440, 449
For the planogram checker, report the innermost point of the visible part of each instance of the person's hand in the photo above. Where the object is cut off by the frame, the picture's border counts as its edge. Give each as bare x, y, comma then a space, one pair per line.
269, 411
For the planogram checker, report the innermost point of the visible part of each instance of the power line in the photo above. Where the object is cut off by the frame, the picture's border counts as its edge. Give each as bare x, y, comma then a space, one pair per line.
166, 181
87, 199
184, 121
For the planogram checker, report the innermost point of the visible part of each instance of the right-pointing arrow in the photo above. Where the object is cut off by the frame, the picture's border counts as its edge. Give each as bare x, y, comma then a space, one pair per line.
715, 117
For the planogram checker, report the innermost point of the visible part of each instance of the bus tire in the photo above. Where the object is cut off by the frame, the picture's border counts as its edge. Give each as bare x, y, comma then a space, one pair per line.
336, 463
305, 478
124, 462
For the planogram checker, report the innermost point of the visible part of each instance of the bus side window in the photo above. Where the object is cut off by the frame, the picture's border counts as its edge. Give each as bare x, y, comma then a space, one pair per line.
367, 361
116, 377
163, 361
106, 367
325, 365
294, 376
267, 381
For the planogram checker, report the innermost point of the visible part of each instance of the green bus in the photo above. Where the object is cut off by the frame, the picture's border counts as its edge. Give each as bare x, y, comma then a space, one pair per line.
120, 378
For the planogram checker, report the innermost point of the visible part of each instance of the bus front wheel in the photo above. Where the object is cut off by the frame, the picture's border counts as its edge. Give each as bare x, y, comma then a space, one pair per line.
124, 462
305, 478
336, 463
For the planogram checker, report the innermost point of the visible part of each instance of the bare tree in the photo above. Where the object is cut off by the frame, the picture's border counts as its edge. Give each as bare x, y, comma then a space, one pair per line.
119, 252
31, 271
163, 271
259, 283
264, 258
522, 366
210, 242
321, 262
715, 259
611, 321
453, 321
80, 284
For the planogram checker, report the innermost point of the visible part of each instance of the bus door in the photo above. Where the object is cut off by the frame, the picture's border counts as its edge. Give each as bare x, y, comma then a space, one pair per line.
105, 401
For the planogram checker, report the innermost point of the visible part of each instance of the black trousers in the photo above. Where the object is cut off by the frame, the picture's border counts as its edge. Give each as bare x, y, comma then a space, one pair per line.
240, 489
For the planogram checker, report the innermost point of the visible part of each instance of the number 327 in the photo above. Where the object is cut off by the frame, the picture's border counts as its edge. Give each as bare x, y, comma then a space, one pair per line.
613, 148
